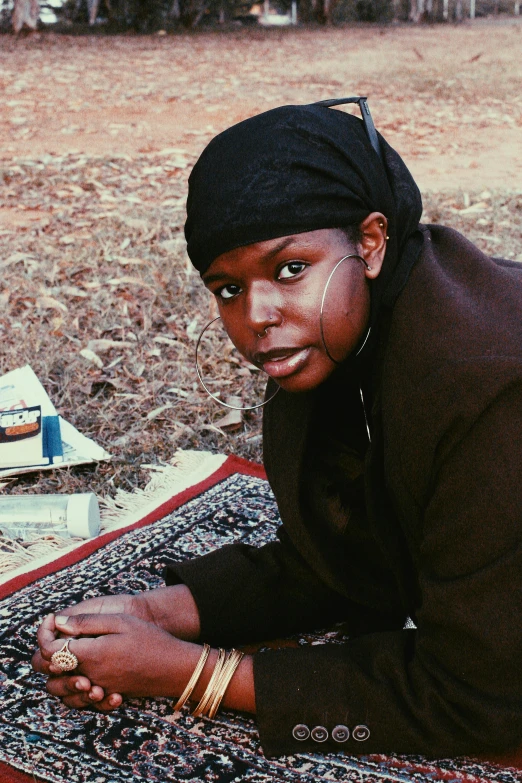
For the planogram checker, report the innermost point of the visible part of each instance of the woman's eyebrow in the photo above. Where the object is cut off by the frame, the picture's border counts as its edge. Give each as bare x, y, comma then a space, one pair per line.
286, 242
268, 256
207, 279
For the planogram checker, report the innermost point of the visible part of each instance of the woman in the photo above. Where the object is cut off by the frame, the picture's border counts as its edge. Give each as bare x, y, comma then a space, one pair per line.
392, 447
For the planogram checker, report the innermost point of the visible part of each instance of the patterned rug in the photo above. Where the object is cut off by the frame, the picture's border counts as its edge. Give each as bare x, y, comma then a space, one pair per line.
143, 741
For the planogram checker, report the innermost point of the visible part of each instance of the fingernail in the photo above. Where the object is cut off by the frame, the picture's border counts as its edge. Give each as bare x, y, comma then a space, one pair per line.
78, 686
92, 695
114, 701
61, 620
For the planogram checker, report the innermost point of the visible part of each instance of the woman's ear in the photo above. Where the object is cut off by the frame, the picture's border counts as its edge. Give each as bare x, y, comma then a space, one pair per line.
372, 244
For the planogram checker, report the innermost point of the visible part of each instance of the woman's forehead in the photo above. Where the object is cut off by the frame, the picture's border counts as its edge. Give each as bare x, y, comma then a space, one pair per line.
321, 240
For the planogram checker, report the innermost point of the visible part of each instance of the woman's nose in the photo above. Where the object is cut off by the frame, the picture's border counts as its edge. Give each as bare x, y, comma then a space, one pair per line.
262, 308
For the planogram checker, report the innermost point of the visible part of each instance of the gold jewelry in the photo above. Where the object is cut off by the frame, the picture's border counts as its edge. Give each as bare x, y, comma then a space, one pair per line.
64, 659
323, 299
227, 672
215, 397
209, 692
187, 693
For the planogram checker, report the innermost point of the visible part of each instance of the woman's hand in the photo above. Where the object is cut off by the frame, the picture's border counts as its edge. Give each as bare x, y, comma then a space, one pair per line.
126, 655
121, 654
171, 608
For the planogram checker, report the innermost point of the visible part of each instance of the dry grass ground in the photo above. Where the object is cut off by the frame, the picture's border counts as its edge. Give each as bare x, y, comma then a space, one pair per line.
97, 137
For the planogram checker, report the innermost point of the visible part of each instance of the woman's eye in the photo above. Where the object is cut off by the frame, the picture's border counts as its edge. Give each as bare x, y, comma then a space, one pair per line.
228, 291
290, 270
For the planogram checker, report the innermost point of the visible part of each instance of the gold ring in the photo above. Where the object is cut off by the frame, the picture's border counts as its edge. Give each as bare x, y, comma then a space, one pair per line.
64, 659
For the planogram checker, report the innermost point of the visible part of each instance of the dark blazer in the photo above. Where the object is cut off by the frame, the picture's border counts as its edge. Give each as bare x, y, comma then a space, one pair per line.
437, 538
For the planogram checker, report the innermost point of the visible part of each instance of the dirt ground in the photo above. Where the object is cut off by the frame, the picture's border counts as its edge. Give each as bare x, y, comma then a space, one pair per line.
97, 137
448, 98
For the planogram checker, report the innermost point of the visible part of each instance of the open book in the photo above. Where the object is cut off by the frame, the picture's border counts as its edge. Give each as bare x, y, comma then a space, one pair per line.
32, 434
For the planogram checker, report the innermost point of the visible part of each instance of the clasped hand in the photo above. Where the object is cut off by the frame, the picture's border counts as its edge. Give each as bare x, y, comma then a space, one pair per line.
120, 654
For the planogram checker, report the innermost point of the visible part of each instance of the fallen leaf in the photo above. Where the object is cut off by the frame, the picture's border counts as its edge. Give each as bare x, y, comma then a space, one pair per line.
488, 238
234, 418
158, 411
103, 345
480, 206
137, 223
115, 281
175, 390
50, 303
91, 357
124, 261
71, 290
171, 245
15, 258
193, 329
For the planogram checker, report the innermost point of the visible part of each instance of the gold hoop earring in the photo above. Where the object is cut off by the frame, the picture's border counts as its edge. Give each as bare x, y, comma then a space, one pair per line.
214, 397
321, 313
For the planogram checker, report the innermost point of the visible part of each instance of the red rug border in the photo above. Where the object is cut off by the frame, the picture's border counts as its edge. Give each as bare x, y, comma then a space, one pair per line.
231, 465
11, 775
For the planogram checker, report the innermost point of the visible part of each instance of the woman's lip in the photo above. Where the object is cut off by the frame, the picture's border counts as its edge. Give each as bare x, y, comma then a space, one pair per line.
285, 365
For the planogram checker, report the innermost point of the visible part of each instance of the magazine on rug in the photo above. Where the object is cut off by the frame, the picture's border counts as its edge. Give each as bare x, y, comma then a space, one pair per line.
32, 434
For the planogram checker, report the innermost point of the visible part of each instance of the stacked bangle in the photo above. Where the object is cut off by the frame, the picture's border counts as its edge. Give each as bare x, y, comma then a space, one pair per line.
209, 692
227, 672
187, 693
224, 670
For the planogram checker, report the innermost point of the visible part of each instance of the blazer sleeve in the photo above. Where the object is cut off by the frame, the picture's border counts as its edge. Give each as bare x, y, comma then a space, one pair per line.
247, 594
454, 685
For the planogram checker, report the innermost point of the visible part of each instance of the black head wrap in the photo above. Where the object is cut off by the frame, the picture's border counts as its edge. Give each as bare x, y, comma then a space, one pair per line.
296, 169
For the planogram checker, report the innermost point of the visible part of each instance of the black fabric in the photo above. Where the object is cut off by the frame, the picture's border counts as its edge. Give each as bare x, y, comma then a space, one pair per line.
295, 169
443, 505
435, 530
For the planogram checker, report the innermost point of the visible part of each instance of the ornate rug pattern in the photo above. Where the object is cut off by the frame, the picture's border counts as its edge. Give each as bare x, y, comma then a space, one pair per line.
144, 741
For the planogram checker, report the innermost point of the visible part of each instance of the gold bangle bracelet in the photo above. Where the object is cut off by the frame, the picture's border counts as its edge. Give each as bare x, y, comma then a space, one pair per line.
209, 692
229, 669
187, 693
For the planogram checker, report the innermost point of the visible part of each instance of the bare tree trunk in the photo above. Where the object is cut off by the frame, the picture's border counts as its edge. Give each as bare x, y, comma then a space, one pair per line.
200, 14
25, 14
458, 10
517, 7
92, 8
327, 11
417, 10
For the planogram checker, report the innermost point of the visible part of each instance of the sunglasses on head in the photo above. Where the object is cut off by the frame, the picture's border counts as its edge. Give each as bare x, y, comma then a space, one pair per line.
366, 117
